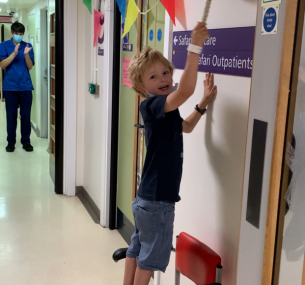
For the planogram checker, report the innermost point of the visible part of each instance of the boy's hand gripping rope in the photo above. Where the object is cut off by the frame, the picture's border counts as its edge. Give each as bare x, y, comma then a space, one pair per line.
206, 11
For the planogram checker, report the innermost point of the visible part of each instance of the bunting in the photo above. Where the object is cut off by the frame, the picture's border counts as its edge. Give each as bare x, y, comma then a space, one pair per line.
88, 4
169, 6
131, 16
122, 8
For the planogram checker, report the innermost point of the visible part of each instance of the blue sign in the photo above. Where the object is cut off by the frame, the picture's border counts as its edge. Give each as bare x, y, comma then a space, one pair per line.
227, 51
159, 35
270, 19
151, 35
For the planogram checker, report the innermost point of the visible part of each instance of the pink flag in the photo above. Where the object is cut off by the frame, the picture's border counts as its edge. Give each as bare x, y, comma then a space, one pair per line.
98, 19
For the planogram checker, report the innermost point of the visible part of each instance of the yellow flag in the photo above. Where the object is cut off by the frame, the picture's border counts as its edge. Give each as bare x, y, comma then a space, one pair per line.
131, 16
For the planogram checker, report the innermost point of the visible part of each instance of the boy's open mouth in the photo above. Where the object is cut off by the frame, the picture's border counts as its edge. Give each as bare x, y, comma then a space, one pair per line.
164, 88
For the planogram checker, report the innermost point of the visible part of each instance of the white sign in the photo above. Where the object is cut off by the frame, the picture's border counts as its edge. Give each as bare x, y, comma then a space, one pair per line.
270, 2
270, 20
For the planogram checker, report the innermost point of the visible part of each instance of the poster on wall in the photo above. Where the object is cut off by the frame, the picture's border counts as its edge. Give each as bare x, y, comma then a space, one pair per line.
126, 80
227, 51
100, 36
125, 41
6, 19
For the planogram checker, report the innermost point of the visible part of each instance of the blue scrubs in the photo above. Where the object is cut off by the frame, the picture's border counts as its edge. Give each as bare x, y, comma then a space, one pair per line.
17, 89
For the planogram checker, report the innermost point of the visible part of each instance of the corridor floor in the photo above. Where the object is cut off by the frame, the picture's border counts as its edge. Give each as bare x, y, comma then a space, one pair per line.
47, 238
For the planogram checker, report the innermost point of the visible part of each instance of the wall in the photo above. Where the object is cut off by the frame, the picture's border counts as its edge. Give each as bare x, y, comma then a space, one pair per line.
211, 188
89, 110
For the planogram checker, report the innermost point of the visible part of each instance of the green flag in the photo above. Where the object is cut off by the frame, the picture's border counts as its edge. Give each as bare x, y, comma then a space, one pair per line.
88, 3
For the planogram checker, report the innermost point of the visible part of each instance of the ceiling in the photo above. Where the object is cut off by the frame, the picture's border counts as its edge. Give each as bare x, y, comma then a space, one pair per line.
16, 4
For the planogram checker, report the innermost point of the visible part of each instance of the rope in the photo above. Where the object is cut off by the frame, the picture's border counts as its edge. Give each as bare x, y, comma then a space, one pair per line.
206, 11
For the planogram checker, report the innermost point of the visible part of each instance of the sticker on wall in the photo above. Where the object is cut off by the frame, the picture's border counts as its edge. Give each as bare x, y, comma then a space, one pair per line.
270, 2
270, 20
159, 35
151, 35
126, 80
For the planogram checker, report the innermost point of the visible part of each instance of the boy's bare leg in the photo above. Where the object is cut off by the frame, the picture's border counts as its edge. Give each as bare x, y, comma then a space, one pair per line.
142, 277
130, 270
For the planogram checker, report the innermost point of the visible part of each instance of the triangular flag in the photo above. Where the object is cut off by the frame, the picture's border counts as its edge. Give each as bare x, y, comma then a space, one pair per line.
122, 7
88, 3
169, 6
132, 14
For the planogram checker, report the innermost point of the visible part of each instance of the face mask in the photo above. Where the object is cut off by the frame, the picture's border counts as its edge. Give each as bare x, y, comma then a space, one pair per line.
174, 88
18, 38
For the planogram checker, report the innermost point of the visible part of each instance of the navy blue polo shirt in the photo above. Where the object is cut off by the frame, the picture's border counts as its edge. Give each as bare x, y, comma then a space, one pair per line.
162, 170
17, 75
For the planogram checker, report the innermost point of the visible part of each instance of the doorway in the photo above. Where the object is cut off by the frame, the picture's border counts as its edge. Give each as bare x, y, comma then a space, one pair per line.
131, 146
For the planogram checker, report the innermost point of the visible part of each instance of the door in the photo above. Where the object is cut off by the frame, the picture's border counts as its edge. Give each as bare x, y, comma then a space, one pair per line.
31, 40
44, 69
290, 244
131, 150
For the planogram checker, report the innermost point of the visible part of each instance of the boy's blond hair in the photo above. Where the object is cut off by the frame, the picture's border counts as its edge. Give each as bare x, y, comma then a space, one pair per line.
140, 62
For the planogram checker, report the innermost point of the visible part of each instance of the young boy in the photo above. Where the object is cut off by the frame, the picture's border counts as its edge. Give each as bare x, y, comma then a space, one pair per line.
153, 209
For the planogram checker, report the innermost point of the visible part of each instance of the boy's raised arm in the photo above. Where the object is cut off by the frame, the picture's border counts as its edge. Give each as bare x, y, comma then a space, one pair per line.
189, 77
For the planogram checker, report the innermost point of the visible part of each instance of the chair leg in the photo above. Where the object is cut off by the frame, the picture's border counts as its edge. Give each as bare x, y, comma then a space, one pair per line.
219, 274
119, 254
177, 278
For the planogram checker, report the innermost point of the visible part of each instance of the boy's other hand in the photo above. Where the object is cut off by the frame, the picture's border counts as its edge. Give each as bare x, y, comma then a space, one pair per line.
200, 34
27, 49
16, 49
210, 89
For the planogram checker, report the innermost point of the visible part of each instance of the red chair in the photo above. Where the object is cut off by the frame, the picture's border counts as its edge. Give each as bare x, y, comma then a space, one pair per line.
197, 261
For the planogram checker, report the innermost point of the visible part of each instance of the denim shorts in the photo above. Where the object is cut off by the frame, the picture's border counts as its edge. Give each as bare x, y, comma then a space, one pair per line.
151, 243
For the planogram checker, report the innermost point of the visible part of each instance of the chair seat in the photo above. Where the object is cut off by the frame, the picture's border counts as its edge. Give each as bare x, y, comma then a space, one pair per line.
195, 260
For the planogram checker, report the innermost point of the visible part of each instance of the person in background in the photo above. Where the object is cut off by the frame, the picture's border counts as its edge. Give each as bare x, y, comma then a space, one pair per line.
17, 57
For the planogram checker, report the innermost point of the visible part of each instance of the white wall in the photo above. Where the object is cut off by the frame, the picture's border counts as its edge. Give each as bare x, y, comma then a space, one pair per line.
211, 188
89, 110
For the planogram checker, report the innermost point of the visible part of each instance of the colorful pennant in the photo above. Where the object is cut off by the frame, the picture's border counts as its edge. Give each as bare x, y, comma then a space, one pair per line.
88, 4
122, 8
169, 6
131, 16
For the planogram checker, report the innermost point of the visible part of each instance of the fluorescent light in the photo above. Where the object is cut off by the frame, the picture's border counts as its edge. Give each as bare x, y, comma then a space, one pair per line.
3, 1
0, 9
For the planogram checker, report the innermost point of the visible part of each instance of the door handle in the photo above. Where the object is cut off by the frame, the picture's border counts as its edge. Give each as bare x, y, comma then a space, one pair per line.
139, 126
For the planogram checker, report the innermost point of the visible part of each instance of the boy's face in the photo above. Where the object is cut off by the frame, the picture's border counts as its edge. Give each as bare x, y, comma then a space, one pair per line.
157, 79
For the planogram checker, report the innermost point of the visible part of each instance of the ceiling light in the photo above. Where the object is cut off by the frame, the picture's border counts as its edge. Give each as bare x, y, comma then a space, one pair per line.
3, 1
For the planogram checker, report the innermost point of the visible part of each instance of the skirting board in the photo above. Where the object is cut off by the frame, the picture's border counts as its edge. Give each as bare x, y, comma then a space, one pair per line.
88, 203
124, 226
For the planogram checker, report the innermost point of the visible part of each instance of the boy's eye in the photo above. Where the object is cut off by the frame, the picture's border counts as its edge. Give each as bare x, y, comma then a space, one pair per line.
166, 72
152, 77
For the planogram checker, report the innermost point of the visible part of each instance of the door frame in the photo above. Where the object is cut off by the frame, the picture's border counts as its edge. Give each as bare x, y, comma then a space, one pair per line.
43, 46
66, 68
